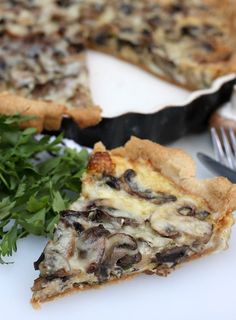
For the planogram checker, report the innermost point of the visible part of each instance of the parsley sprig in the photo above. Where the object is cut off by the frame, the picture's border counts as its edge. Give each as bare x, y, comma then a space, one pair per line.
33, 191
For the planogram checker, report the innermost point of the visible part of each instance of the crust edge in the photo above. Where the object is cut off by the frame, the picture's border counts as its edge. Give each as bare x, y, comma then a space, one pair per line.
48, 114
37, 304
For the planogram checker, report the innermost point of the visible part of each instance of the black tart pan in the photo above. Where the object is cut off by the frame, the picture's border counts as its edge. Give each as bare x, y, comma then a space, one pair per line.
163, 126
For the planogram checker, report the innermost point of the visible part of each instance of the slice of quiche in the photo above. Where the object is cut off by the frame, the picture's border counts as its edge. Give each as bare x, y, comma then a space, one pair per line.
141, 210
43, 62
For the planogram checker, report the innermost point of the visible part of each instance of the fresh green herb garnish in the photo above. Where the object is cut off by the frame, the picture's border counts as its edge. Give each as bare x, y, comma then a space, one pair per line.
33, 191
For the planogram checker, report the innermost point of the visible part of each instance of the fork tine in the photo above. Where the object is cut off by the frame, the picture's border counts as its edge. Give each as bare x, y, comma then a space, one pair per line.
227, 147
218, 150
233, 140
233, 144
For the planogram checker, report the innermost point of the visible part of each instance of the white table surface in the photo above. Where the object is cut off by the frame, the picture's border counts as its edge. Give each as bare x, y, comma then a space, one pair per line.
203, 289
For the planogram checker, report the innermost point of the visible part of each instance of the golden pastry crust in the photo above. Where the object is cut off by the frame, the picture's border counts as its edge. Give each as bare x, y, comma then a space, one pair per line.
165, 173
48, 115
36, 303
85, 116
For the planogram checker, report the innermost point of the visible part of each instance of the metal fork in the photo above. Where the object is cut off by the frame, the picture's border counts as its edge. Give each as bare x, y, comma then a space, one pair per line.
224, 144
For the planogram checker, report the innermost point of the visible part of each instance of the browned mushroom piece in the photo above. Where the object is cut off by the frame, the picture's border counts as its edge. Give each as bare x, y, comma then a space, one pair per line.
112, 181
91, 246
132, 187
173, 255
168, 230
118, 246
102, 214
121, 241
76, 219
128, 261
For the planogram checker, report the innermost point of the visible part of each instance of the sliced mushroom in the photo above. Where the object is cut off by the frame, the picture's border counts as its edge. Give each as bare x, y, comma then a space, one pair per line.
161, 198
37, 263
186, 211
128, 261
101, 210
53, 263
78, 220
101, 215
112, 181
133, 188
91, 247
58, 251
93, 233
121, 240
118, 246
104, 215
173, 255
167, 229
166, 221
189, 210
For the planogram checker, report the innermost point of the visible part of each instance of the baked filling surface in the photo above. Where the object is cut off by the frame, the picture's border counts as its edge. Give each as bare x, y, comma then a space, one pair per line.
187, 42
42, 59
131, 218
42, 49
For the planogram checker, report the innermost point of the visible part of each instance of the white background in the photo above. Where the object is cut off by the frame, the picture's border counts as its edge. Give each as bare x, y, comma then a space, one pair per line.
203, 289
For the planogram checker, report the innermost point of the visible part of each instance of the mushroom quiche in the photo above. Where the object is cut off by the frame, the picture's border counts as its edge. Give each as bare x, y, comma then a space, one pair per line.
43, 62
42, 53
141, 210
187, 42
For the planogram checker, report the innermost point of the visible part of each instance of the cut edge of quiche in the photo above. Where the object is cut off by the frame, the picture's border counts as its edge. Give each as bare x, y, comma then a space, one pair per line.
189, 44
141, 210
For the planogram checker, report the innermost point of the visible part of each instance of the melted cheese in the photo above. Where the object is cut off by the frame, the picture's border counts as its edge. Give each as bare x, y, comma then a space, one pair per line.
119, 199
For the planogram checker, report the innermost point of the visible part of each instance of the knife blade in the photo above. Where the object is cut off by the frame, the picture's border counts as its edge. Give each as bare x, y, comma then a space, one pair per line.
216, 167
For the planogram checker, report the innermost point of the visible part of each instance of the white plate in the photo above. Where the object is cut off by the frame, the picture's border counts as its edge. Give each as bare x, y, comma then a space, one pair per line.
203, 289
